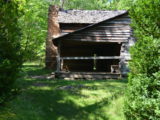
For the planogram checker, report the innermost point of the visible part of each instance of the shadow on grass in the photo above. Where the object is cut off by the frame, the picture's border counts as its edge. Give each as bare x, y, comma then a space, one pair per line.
59, 104
49, 102
54, 106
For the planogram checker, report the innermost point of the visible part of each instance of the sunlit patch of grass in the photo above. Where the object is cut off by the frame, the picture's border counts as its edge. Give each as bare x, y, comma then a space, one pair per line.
43, 99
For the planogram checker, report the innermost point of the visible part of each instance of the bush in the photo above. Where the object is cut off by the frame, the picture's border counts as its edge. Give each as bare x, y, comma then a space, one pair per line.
145, 56
10, 57
143, 94
143, 98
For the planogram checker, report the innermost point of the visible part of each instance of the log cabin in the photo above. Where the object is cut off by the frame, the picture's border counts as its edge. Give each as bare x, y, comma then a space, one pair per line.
92, 44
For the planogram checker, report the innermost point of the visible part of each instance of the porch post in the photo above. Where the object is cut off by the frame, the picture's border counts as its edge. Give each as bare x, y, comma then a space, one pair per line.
58, 58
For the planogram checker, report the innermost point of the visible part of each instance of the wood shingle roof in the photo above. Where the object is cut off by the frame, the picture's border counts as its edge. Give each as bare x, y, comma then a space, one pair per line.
86, 16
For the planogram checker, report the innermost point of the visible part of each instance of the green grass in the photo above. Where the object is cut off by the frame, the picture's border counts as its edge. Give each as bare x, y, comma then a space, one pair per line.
42, 99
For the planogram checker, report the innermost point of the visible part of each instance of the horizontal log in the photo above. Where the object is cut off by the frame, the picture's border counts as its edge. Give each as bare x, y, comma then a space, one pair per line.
104, 35
90, 58
110, 30
91, 40
105, 32
68, 30
126, 34
98, 38
90, 73
112, 24
123, 18
114, 27
118, 35
104, 38
119, 22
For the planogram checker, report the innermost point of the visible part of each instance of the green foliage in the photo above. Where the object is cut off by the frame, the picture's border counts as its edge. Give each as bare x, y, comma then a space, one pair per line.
98, 4
145, 18
143, 93
119, 4
34, 29
145, 56
143, 98
10, 56
86, 4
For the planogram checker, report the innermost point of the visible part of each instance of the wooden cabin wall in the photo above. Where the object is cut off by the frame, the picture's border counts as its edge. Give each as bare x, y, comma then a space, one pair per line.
117, 30
68, 28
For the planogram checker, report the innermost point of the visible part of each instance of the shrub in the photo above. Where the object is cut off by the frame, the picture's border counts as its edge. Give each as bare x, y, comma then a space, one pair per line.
143, 94
10, 57
143, 98
145, 56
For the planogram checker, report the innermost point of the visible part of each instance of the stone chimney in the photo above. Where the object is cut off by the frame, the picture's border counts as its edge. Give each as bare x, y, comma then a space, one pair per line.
53, 32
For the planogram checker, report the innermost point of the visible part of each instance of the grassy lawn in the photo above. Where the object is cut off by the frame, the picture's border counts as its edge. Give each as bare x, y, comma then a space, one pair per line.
48, 99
